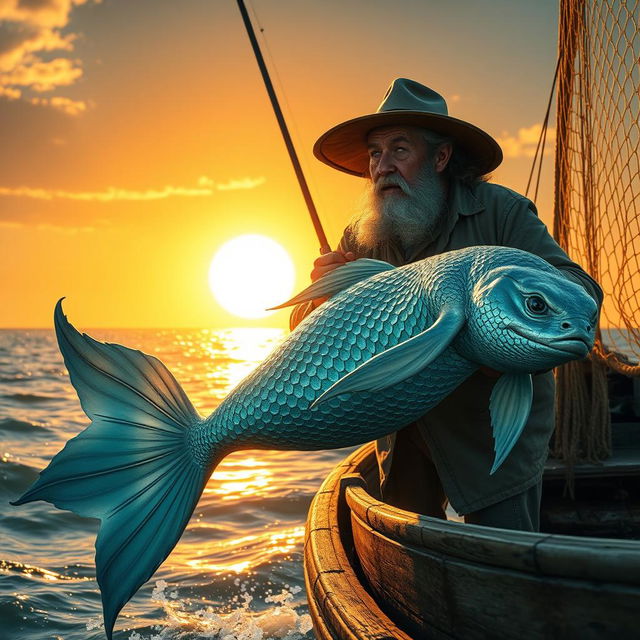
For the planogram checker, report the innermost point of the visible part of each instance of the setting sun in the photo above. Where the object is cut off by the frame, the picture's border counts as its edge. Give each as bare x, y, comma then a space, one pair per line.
249, 274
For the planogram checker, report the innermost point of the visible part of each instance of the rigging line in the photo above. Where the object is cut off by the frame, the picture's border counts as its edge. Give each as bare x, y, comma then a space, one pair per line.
544, 142
324, 245
543, 133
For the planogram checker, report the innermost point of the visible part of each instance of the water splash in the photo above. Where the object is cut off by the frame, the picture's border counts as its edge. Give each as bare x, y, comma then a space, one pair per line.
280, 621
249, 525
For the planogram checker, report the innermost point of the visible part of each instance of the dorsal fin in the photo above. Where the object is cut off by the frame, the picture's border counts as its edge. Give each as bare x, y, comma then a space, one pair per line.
339, 279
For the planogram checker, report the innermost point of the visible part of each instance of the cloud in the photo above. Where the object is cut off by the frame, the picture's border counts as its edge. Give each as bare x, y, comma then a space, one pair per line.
205, 181
112, 194
44, 13
60, 103
524, 143
206, 187
19, 41
10, 93
66, 105
243, 183
30, 28
11, 225
42, 76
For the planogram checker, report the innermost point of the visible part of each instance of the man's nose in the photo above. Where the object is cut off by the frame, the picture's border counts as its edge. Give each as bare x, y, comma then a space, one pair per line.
385, 165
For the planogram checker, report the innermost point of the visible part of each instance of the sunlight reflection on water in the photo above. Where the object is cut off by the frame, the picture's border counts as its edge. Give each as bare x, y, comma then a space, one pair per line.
248, 526
232, 484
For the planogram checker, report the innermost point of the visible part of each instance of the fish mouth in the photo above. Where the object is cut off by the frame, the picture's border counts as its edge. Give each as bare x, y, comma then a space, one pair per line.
574, 345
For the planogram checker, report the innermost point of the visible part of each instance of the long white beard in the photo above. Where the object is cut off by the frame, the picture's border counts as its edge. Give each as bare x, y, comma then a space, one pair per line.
411, 218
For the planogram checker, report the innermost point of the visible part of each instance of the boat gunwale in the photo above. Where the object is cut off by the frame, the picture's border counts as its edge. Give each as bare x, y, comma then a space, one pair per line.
545, 554
330, 577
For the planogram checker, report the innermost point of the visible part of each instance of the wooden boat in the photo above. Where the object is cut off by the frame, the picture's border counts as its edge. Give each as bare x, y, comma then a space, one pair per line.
375, 571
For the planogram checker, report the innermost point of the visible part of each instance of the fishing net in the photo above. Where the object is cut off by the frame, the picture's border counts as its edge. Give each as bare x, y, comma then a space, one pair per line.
597, 203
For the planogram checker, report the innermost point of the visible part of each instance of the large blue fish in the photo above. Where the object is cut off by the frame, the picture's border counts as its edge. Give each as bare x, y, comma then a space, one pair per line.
389, 345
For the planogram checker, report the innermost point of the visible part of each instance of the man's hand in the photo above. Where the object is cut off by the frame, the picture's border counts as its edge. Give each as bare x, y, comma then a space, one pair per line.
329, 262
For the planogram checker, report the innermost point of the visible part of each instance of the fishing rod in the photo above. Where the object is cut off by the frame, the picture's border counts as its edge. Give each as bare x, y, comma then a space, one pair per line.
317, 225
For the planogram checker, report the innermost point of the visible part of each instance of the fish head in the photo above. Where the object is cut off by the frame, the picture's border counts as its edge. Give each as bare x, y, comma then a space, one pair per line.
524, 319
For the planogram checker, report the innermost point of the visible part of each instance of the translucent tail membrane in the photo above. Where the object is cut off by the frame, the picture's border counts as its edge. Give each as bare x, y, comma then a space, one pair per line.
132, 467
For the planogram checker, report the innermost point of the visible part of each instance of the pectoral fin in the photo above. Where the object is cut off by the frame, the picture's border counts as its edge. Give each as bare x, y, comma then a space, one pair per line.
509, 406
340, 278
401, 361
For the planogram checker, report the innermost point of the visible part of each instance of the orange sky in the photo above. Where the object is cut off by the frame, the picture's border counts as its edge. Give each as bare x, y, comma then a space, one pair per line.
137, 137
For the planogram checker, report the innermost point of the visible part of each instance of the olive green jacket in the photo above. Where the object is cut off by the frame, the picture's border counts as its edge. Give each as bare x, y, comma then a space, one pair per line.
458, 430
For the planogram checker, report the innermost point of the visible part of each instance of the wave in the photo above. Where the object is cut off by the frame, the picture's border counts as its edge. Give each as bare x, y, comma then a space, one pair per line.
21, 427
32, 398
16, 477
26, 569
20, 378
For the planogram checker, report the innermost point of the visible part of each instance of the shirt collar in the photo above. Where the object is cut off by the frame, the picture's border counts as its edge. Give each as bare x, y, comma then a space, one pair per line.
463, 201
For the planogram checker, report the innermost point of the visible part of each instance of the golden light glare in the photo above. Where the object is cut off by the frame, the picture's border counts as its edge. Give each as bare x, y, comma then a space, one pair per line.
249, 274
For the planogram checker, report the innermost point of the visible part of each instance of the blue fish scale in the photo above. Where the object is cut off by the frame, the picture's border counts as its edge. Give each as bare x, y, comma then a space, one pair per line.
271, 408
143, 462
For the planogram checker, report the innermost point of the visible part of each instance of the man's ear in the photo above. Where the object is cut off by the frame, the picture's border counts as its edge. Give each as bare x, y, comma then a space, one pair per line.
443, 155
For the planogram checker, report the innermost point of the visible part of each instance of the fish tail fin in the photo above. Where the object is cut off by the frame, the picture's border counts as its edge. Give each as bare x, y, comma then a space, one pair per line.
134, 466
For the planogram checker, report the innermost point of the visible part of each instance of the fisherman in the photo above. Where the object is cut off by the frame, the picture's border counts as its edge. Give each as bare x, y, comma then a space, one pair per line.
427, 193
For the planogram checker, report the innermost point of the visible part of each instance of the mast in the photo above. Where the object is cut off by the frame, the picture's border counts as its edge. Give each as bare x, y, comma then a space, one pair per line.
324, 245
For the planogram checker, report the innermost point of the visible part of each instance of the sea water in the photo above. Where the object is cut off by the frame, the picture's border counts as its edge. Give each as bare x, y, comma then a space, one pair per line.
236, 573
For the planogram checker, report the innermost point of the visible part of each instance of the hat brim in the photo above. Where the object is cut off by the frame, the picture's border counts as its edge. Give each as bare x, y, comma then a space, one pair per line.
344, 147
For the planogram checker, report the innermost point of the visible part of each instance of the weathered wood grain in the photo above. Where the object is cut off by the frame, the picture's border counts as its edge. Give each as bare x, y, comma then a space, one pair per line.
423, 588
339, 605
438, 579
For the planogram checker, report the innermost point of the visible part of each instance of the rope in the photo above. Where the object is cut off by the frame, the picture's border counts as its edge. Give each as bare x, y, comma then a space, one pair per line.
597, 177
542, 139
597, 207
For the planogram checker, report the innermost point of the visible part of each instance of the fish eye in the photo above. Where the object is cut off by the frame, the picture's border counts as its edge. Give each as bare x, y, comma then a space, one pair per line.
536, 305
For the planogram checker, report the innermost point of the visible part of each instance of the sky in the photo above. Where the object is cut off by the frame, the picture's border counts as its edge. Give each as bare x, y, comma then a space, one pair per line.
136, 138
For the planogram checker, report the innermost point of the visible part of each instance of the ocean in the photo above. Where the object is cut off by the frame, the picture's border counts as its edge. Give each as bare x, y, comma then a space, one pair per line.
236, 573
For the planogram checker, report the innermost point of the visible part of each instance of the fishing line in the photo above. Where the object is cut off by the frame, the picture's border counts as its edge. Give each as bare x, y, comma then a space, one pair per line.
282, 92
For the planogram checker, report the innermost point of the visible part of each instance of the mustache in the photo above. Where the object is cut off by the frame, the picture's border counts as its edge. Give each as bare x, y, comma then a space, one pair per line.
392, 181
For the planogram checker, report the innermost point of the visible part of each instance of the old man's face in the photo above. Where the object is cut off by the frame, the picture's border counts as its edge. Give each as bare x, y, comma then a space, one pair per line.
405, 199
396, 150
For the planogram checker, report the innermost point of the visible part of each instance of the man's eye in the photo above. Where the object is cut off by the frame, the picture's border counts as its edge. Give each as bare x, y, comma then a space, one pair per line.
536, 305
374, 154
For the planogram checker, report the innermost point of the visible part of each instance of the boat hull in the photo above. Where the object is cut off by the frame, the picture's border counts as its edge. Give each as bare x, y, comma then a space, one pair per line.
406, 575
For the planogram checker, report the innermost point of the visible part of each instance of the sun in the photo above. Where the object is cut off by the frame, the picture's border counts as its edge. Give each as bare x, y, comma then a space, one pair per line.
250, 273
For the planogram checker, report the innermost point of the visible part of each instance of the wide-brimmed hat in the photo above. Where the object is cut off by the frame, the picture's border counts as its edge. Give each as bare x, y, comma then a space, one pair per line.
406, 102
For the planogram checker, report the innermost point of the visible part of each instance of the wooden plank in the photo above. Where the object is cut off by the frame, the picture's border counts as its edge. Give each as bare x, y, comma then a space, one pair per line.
392, 574
605, 559
440, 579
469, 600
493, 546
622, 463
339, 605
321, 629
493, 603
